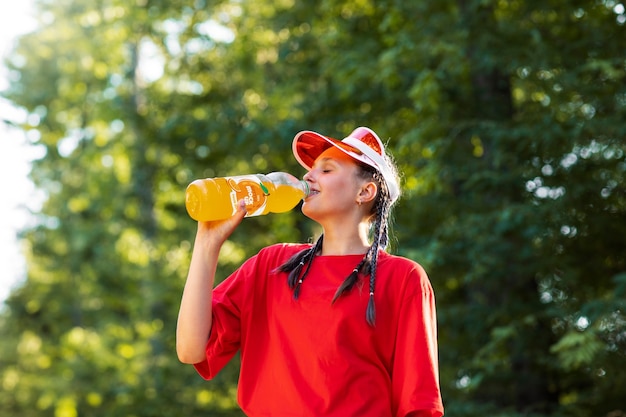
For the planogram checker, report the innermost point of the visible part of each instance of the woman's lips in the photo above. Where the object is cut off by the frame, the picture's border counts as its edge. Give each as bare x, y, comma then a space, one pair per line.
312, 193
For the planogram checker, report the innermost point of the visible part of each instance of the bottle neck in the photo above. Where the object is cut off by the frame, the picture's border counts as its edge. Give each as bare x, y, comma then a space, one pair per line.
305, 188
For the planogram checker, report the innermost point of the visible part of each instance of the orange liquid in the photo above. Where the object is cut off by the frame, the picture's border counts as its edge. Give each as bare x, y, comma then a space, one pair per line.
209, 199
216, 198
283, 198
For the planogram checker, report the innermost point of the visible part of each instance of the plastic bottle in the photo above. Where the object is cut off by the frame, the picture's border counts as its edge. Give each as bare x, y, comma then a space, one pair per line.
216, 198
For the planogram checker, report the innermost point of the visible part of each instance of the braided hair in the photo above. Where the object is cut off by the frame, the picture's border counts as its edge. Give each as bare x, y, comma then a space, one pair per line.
379, 232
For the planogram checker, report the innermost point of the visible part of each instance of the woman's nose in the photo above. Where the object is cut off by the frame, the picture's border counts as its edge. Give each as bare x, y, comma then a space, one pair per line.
307, 176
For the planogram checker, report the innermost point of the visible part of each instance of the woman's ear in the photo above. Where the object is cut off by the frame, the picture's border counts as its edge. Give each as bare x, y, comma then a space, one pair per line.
368, 192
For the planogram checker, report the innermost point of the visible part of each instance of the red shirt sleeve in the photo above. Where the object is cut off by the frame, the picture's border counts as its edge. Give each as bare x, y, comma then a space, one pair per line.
225, 337
415, 372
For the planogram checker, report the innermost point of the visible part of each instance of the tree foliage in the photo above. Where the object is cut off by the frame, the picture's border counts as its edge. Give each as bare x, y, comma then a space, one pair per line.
506, 118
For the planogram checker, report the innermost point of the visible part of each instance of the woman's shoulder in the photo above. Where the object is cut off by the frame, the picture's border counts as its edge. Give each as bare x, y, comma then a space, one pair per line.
270, 257
402, 271
282, 250
399, 262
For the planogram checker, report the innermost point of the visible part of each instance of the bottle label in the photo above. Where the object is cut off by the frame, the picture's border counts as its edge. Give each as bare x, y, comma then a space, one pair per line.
251, 190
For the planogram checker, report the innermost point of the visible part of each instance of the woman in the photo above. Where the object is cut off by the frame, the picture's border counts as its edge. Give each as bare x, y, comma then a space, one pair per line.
337, 328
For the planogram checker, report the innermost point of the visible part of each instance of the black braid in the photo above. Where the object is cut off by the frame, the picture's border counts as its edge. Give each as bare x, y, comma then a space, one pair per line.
353, 278
380, 240
295, 264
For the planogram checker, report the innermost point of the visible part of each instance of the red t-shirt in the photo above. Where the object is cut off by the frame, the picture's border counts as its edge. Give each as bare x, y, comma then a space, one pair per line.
310, 357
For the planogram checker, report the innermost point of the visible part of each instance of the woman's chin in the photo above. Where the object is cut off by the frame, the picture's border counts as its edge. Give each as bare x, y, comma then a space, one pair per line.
308, 211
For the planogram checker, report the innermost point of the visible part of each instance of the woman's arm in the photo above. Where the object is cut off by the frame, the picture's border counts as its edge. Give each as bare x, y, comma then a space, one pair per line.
195, 315
415, 378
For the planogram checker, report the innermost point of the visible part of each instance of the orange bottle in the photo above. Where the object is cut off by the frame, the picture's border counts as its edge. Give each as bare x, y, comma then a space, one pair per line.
216, 198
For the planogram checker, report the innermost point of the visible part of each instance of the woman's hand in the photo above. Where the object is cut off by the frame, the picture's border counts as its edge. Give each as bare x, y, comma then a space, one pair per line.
215, 233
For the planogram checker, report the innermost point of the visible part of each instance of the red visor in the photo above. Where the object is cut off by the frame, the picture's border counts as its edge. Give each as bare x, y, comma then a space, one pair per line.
362, 145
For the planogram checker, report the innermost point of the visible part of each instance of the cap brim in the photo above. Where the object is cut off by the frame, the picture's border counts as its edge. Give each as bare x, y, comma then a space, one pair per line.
308, 145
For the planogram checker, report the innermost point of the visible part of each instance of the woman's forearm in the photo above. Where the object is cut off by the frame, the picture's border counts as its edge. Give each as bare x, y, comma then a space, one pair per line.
194, 317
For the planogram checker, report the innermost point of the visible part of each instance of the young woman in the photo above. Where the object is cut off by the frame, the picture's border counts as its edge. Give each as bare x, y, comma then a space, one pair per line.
338, 328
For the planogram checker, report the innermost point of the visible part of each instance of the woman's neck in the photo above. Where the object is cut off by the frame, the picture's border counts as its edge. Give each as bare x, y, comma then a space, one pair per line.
345, 241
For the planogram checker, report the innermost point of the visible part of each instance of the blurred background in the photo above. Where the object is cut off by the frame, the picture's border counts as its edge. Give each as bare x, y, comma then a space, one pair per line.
505, 117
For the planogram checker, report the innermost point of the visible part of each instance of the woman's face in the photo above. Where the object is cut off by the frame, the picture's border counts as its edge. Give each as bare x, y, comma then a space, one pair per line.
335, 188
